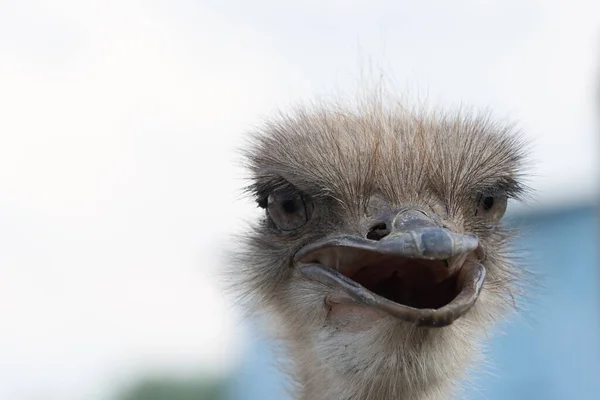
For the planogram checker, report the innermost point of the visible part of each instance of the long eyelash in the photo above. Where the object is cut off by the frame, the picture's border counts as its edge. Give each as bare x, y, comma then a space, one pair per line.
509, 187
264, 186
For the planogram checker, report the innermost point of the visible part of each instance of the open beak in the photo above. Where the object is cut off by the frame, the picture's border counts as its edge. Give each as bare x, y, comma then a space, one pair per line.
419, 272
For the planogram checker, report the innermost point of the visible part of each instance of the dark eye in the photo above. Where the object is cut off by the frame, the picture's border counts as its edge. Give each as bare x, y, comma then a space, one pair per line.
487, 202
491, 208
288, 211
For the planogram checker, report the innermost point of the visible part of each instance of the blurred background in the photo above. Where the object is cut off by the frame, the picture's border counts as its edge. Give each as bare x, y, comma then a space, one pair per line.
119, 122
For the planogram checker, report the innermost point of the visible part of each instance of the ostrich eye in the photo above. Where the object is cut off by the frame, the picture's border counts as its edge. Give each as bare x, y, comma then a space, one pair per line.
288, 211
491, 207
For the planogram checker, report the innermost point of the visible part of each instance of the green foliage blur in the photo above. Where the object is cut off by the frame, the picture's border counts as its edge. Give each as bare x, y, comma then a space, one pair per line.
174, 389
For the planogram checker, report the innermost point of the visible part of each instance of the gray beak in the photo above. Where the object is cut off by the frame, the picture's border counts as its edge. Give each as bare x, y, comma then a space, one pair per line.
429, 265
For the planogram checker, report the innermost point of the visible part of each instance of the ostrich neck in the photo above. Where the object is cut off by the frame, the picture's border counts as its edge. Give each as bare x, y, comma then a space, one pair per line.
375, 380
326, 388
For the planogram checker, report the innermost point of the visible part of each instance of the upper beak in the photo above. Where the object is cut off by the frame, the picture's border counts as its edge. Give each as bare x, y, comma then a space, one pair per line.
413, 235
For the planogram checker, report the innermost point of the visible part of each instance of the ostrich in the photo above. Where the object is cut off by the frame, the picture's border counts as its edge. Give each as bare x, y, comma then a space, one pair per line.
381, 257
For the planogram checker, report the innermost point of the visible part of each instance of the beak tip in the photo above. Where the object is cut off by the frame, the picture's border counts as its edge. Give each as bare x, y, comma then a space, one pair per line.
471, 241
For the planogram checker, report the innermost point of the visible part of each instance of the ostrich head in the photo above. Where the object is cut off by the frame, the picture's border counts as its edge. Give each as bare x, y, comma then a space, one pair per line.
380, 256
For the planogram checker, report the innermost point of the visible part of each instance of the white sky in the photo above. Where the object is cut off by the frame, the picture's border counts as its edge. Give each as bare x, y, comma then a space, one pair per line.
118, 121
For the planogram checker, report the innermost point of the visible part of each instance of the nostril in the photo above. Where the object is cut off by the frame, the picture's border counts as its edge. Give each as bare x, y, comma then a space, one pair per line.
378, 232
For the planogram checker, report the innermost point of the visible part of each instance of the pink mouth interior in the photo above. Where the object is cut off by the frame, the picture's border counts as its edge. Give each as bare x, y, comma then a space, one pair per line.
412, 282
